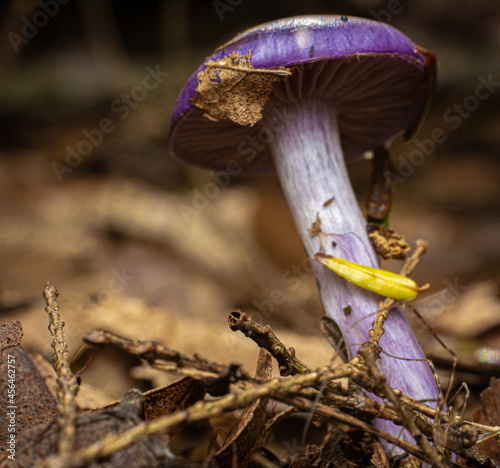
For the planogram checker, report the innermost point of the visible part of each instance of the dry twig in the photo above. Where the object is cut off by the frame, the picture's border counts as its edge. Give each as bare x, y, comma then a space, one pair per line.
289, 364
411, 262
67, 384
159, 356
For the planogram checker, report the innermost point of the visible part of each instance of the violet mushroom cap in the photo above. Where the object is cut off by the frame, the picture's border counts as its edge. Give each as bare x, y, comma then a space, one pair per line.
373, 101
309, 93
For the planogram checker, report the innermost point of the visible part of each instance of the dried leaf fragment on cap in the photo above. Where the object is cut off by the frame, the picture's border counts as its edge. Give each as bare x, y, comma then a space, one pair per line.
232, 89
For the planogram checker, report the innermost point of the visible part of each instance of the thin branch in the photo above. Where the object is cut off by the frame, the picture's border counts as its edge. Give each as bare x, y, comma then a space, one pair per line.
410, 263
289, 364
67, 384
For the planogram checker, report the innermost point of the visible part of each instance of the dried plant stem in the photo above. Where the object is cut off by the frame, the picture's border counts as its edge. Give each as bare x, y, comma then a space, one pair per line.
67, 384
303, 390
278, 389
410, 263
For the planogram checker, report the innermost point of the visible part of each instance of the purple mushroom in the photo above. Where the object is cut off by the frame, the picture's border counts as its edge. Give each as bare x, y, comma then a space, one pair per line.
302, 96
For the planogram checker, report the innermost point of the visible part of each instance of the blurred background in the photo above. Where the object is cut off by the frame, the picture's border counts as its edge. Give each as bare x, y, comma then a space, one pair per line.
92, 202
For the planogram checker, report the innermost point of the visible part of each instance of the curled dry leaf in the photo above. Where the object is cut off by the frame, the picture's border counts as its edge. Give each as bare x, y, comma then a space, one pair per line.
177, 396
174, 397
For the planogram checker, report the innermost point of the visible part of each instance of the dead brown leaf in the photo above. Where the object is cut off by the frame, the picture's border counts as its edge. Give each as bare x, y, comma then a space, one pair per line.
10, 336
32, 403
174, 397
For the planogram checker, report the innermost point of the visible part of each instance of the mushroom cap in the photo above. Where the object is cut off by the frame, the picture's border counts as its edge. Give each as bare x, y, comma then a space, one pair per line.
230, 109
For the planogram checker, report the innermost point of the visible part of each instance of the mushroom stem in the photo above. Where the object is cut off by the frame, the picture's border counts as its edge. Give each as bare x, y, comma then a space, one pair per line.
310, 164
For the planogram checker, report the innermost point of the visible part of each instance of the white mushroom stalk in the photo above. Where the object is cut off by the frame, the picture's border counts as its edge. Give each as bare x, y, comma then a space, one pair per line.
311, 168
